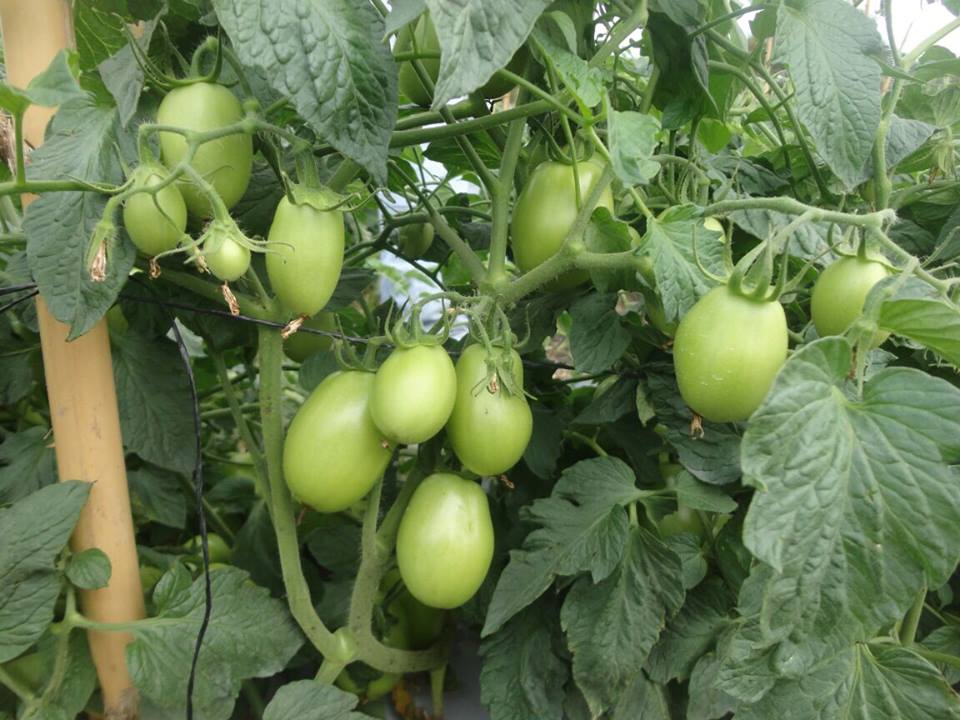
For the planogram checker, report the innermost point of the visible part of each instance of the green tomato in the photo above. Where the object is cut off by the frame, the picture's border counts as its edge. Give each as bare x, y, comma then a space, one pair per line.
683, 520
445, 541
840, 292
545, 212
416, 239
422, 624
149, 577
154, 222
413, 393
727, 351
333, 453
217, 548
301, 345
488, 430
362, 680
226, 163
304, 256
427, 41
225, 257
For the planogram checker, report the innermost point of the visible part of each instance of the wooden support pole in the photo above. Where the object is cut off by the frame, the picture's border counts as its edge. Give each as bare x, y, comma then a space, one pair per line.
80, 387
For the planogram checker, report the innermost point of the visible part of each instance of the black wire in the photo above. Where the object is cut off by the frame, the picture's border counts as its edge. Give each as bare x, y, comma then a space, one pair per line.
198, 486
17, 288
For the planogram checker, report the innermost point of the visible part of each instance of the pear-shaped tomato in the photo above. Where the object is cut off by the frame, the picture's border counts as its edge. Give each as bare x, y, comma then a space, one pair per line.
445, 541
416, 239
545, 211
226, 162
304, 255
413, 393
226, 257
333, 453
727, 351
489, 428
156, 221
840, 292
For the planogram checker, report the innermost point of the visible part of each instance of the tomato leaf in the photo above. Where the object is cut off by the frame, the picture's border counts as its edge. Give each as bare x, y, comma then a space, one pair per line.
35, 530
402, 12
597, 337
610, 406
811, 240
27, 463
825, 45
860, 682
153, 395
930, 322
158, 496
691, 632
698, 496
328, 58
707, 701
522, 677
633, 139
585, 82
123, 76
582, 528
855, 498
250, 635
99, 26
612, 625
478, 38
642, 699
89, 569
674, 242
312, 700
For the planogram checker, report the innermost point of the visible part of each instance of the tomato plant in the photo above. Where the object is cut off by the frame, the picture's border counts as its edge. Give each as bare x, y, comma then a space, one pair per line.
573, 359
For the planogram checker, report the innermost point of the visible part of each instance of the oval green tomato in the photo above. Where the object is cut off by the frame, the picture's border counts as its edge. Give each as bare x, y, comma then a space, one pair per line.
413, 393
416, 239
445, 541
333, 453
226, 163
301, 345
425, 35
727, 351
304, 255
226, 258
488, 430
217, 549
840, 292
683, 520
545, 212
155, 222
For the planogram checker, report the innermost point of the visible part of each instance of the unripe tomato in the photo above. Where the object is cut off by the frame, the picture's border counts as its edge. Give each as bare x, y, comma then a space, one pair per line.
445, 541
226, 163
301, 345
154, 222
225, 257
427, 42
217, 549
683, 520
416, 239
333, 453
840, 292
727, 351
422, 623
488, 430
370, 684
413, 393
545, 212
304, 255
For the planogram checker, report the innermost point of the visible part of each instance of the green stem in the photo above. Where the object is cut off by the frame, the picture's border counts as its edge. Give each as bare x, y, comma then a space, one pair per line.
403, 138
210, 291
620, 32
330, 669
874, 220
437, 677
284, 522
21, 175
937, 657
345, 172
911, 57
18, 688
908, 631
501, 203
728, 16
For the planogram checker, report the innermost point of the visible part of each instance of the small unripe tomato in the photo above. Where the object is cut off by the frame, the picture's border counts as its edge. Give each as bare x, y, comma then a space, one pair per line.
155, 222
416, 239
301, 345
223, 253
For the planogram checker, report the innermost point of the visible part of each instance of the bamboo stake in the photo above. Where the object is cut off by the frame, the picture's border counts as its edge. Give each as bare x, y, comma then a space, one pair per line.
81, 391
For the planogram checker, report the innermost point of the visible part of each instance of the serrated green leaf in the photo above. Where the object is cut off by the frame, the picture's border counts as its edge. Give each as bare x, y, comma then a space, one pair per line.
54, 86
546, 443
946, 640
123, 76
693, 564
521, 676
611, 405
612, 625
698, 496
402, 12
584, 81
477, 39
27, 463
642, 699
82, 143
691, 632
825, 44
158, 496
810, 240
860, 683
582, 528
77, 683
329, 59
153, 395
633, 139
250, 635
855, 497
932, 323
597, 337
35, 530
706, 700
606, 234
89, 569
311, 700
99, 29
674, 242
334, 543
